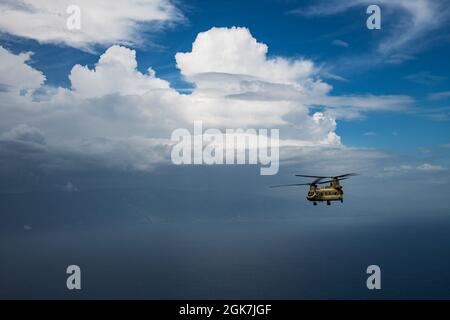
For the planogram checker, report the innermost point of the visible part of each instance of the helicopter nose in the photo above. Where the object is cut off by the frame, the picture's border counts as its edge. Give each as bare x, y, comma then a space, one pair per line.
310, 196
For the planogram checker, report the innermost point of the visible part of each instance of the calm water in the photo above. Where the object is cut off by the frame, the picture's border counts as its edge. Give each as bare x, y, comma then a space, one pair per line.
288, 259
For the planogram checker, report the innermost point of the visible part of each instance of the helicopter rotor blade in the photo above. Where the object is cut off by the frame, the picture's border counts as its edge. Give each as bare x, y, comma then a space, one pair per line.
305, 176
291, 185
323, 177
346, 175
317, 181
329, 181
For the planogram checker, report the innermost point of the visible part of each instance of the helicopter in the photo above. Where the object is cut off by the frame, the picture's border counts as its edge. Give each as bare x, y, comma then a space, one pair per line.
333, 192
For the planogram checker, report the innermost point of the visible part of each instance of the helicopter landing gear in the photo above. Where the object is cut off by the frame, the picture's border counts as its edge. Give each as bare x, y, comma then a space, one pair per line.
328, 203
315, 203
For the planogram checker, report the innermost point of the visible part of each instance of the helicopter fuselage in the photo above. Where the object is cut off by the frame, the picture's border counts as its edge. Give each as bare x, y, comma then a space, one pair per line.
330, 193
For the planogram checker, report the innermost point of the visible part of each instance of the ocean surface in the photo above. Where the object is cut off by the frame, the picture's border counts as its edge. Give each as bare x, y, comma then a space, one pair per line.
304, 258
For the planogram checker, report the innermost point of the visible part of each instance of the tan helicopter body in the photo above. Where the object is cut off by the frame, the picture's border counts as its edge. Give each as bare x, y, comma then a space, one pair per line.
332, 192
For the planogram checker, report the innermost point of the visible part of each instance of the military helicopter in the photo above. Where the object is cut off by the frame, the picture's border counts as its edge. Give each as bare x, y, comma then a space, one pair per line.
332, 192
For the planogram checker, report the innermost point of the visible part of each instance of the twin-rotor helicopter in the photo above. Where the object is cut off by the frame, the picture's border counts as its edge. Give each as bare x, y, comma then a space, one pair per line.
333, 192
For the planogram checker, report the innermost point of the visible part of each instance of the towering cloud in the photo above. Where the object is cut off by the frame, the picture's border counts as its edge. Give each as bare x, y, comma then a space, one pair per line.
235, 51
115, 115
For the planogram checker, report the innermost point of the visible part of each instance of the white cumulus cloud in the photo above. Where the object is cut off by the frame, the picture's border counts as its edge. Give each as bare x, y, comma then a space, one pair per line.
236, 51
115, 72
103, 22
16, 74
115, 115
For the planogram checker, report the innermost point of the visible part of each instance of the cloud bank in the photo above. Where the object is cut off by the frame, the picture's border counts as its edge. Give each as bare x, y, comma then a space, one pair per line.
116, 116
